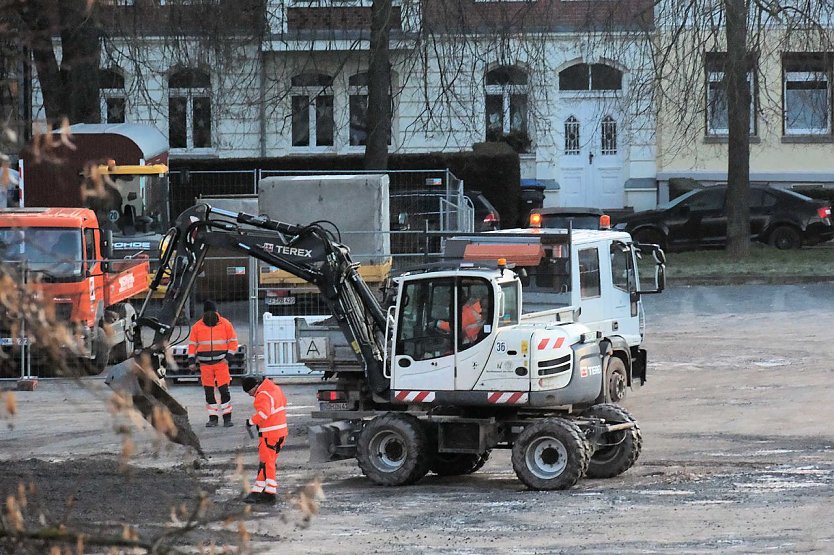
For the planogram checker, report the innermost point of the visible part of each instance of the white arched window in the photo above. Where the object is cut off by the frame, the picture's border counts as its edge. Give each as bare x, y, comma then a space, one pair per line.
111, 86
590, 77
189, 109
506, 89
312, 110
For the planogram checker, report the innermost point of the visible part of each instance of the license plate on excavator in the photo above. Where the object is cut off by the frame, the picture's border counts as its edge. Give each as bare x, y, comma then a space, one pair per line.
335, 406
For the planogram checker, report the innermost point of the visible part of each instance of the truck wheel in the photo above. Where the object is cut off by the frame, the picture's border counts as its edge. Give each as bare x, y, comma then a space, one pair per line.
550, 454
101, 353
617, 451
393, 450
123, 350
616, 380
458, 464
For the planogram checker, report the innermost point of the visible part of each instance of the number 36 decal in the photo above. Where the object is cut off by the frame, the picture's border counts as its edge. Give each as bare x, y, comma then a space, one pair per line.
500, 347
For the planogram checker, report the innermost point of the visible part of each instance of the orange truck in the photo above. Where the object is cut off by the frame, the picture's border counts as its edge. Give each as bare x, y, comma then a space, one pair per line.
69, 259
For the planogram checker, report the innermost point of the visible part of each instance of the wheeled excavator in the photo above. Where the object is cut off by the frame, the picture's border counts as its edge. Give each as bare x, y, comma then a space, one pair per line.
427, 397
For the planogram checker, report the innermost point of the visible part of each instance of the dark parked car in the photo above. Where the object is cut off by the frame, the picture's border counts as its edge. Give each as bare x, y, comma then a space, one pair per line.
782, 218
486, 216
413, 209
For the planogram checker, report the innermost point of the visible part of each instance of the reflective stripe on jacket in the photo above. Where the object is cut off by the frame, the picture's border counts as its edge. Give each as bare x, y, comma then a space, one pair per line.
210, 344
270, 410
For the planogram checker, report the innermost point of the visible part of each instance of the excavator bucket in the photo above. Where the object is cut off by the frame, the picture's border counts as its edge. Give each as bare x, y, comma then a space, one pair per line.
151, 399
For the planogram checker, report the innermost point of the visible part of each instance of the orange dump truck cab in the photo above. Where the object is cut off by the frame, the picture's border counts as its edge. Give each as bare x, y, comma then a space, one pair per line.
66, 256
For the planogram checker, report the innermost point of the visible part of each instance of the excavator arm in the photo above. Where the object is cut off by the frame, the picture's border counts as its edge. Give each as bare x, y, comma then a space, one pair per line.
309, 252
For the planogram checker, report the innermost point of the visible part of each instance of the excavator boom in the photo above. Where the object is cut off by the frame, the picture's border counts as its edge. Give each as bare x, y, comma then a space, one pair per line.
309, 252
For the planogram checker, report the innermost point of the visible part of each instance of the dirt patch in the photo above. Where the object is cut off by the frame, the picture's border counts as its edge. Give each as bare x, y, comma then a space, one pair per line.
100, 497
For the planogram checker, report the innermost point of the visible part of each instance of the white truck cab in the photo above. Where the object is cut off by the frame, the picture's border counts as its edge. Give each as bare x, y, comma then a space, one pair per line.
591, 276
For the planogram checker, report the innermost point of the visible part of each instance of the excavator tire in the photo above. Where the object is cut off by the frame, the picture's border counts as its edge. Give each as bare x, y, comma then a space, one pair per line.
458, 464
617, 451
550, 454
393, 450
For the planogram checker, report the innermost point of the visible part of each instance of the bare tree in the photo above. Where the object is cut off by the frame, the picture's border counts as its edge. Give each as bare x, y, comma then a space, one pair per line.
745, 42
69, 86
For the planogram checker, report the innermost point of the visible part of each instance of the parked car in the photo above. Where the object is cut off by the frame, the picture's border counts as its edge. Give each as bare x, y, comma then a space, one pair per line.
486, 216
780, 217
414, 209
576, 218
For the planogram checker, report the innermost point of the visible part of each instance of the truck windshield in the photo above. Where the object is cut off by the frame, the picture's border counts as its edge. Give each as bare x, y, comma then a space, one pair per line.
53, 250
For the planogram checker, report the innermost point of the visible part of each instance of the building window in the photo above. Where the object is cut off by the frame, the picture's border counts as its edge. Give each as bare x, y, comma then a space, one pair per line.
590, 77
312, 110
358, 100
807, 94
189, 109
608, 136
718, 121
111, 85
571, 136
506, 102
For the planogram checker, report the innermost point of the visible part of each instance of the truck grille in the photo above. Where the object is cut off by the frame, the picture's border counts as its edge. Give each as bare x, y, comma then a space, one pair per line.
554, 365
63, 312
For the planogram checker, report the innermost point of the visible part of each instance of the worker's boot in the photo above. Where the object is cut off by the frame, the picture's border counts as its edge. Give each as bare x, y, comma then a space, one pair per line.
212, 423
227, 421
260, 497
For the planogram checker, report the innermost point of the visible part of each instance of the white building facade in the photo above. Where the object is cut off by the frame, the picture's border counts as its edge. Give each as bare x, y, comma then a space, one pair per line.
569, 94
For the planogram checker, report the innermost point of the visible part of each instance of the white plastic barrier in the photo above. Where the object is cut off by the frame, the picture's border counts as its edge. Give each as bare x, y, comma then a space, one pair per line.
279, 346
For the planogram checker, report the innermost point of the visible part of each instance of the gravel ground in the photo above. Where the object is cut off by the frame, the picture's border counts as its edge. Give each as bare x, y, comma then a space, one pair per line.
738, 454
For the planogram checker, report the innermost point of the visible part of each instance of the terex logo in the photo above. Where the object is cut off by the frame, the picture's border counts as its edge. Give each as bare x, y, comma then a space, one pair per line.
125, 245
290, 251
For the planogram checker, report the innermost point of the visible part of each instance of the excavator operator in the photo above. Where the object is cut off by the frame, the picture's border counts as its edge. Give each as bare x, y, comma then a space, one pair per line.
471, 317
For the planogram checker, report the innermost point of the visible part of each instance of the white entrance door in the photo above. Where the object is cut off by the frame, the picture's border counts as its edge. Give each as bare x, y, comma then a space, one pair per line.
591, 161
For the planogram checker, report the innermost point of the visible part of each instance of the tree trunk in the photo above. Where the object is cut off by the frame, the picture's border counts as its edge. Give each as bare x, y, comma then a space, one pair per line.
70, 89
379, 88
739, 63
37, 35
81, 46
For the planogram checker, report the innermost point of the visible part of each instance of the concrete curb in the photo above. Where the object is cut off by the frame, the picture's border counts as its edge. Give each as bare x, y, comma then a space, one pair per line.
747, 280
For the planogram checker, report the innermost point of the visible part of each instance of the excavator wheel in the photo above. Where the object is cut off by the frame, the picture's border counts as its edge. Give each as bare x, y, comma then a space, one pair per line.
393, 450
616, 451
550, 454
458, 464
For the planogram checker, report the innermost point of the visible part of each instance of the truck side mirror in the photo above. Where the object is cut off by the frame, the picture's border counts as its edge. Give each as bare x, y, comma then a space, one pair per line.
659, 270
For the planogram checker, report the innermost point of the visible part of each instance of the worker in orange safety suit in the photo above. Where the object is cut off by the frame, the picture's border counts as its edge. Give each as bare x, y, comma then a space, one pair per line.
212, 343
271, 421
472, 320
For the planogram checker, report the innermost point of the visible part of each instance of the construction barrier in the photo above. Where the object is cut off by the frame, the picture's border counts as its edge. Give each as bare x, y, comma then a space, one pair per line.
280, 345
